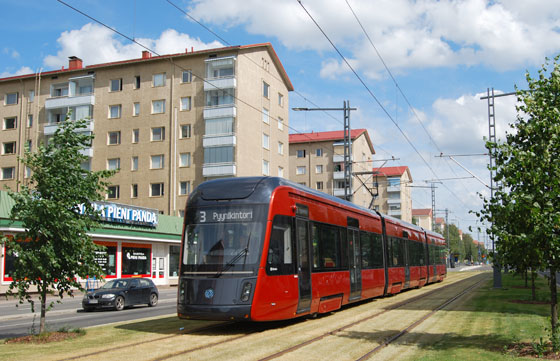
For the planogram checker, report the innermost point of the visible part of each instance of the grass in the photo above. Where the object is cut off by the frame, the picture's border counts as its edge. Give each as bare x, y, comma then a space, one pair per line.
485, 326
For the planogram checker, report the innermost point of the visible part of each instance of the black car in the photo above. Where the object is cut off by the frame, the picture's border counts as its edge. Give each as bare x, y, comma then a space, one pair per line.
122, 292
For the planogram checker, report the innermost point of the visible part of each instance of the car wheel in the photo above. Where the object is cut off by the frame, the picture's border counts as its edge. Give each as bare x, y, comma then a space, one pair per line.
153, 300
119, 303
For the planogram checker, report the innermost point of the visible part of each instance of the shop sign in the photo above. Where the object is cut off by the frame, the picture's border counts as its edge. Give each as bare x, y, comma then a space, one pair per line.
120, 213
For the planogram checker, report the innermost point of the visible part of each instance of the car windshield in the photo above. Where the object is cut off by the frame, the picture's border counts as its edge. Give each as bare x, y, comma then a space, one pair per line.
115, 284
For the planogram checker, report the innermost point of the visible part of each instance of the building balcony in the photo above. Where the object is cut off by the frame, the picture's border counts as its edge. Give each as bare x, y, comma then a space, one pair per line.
394, 212
219, 170
339, 158
219, 83
50, 129
219, 140
88, 152
223, 111
394, 188
339, 192
338, 175
67, 102
394, 201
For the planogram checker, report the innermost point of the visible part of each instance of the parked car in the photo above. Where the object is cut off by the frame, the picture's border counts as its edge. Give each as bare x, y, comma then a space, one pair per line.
122, 292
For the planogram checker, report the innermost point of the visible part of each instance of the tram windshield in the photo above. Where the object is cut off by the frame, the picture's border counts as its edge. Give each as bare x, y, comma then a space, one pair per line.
222, 245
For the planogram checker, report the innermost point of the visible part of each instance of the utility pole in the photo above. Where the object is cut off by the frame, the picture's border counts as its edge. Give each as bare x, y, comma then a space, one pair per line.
347, 145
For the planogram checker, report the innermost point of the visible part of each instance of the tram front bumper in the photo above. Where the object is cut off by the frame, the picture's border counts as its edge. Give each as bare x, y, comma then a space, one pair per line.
215, 312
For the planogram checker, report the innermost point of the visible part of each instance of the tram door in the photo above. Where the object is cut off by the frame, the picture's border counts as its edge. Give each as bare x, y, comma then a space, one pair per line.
303, 265
406, 247
355, 259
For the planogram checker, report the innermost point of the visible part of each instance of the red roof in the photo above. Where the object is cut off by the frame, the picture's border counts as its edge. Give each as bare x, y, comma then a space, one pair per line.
336, 135
422, 212
391, 171
440, 220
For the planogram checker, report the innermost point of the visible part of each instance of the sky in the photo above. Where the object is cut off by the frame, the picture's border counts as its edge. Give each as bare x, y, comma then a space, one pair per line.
415, 70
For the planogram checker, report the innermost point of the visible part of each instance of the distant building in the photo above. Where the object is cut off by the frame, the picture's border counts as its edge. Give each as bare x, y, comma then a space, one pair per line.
422, 217
440, 224
317, 161
394, 197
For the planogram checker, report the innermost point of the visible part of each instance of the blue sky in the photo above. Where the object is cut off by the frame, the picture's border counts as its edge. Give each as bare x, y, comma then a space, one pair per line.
443, 54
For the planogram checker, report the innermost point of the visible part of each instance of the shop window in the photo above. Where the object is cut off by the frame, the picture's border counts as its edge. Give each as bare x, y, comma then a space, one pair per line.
136, 260
174, 254
107, 258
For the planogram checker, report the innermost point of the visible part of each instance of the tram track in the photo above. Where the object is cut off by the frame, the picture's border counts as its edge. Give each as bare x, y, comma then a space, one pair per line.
215, 337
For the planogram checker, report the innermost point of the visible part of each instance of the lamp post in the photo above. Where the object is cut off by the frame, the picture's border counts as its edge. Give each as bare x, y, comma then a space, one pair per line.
347, 145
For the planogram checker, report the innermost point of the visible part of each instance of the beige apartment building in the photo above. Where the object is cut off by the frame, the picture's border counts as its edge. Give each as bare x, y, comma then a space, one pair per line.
317, 161
167, 123
394, 197
423, 217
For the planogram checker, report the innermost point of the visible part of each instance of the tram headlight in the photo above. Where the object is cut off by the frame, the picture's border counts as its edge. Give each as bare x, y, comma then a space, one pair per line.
182, 292
246, 292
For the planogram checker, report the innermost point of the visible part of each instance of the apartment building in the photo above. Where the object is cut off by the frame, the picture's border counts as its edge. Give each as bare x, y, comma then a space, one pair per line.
423, 217
166, 123
317, 161
394, 197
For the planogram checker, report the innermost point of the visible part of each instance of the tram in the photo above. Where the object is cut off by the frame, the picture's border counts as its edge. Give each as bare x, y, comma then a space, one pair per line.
265, 248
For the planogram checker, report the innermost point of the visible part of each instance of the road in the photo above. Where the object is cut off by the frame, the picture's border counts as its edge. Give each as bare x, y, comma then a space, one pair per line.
19, 321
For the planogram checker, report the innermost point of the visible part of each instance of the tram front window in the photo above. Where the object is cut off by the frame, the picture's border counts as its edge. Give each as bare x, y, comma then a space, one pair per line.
220, 244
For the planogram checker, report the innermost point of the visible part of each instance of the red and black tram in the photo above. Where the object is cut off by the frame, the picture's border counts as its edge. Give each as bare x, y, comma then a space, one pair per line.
265, 248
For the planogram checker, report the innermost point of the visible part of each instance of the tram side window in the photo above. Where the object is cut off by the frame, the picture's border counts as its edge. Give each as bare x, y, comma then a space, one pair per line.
397, 252
416, 256
433, 258
326, 247
280, 251
372, 250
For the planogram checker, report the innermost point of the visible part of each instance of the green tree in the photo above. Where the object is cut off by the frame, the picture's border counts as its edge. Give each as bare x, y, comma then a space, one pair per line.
524, 212
56, 213
455, 243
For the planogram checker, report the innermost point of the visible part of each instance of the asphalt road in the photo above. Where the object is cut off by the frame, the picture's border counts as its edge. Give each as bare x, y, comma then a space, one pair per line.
20, 321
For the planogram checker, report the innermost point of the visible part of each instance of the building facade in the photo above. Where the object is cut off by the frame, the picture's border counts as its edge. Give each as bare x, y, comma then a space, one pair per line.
393, 196
166, 123
423, 217
317, 161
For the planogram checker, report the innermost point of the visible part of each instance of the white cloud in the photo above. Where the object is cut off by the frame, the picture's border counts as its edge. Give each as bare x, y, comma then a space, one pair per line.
96, 44
21, 71
409, 34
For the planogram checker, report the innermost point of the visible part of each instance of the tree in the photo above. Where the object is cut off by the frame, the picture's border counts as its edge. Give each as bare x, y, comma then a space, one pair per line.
524, 210
56, 213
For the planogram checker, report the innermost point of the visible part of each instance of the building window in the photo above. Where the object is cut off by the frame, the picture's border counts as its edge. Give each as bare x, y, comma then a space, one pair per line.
113, 164
301, 153
158, 106
216, 98
185, 131
134, 165
115, 85
280, 148
319, 152
29, 120
393, 182
218, 155
319, 185
265, 116
159, 79
27, 172
135, 135
184, 188
29, 145
137, 82
218, 126
300, 170
136, 109
185, 160
11, 98
265, 167
280, 100
115, 111
186, 103
135, 259
266, 141
114, 138
8, 172
113, 192
280, 123
186, 76
319, 168
134, 191
158, 134
31, 96
266, 89
220, 68
9, 148
174, 259
156, 190
280, 172
10, 123
156, 161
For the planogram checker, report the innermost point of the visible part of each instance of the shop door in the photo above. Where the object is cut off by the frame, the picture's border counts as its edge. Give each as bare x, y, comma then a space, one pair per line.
158, 270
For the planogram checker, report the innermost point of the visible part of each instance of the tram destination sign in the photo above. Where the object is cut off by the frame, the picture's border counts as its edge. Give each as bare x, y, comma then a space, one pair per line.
121, 213
224, 215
